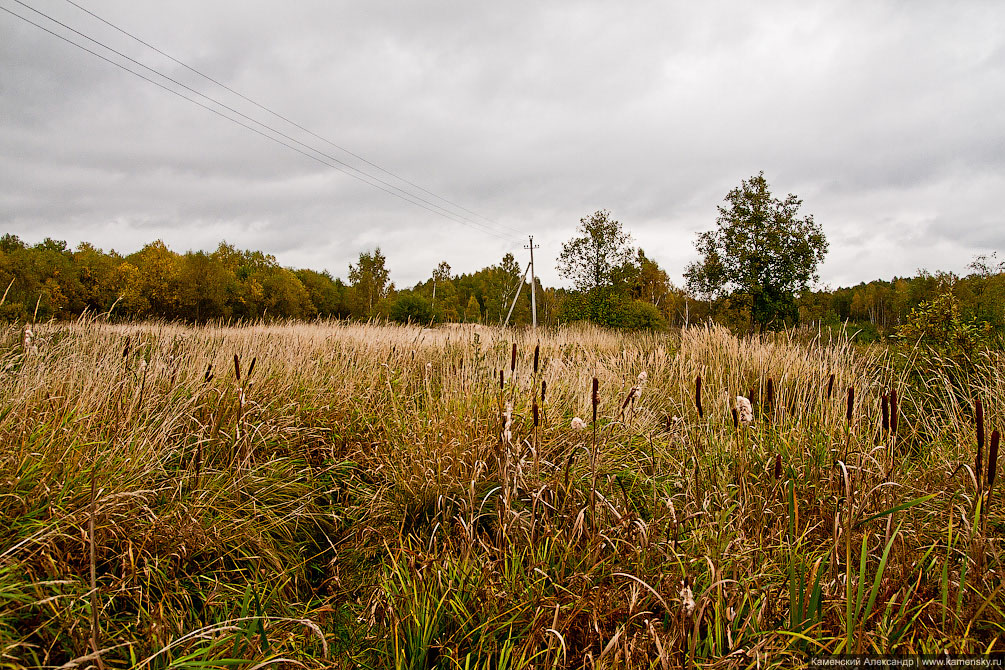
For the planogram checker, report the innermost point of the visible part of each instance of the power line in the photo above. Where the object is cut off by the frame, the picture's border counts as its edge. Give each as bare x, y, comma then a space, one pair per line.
281, 116
401, 194
454, 216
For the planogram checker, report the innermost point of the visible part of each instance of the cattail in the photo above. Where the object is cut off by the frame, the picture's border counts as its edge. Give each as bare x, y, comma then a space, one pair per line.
744, 409
750, 395
460, 364
237, 367
507, 434
697, 396
534, 410
125, 350
769, 399
208, 377
736, 418
979, 410
687, 599
628, 398
992, 458
885, 407
512, 359
893, 411
830, 386
851, 403
251, 368
537, 354
544, 389
778, 466
595, 398
502, 379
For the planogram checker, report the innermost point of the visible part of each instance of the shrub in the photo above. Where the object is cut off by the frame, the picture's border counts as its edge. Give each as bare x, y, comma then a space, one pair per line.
411, 307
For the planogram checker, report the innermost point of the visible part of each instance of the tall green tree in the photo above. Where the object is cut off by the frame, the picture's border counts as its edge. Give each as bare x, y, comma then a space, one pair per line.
761, 253
473, 311
590, 258
370, 279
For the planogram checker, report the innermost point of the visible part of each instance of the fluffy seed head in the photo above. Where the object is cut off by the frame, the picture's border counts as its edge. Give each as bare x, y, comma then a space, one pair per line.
578, 424
744, 409
687, 599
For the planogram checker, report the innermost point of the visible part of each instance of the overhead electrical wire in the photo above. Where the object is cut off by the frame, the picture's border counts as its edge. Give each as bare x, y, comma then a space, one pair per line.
446, 213
282, 117
336, 164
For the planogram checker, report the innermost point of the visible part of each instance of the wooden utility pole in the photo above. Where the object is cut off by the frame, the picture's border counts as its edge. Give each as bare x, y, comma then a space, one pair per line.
519, 288
533, 282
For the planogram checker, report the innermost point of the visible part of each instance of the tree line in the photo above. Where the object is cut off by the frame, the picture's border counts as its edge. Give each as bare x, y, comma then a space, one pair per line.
755, 270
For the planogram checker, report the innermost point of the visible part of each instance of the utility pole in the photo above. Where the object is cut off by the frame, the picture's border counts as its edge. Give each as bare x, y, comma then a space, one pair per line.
533, 282
517, 297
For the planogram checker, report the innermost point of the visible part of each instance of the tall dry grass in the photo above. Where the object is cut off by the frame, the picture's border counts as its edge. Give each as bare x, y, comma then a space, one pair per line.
372, 496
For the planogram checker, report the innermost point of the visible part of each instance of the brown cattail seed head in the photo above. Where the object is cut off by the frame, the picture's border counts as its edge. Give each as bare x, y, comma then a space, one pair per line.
885, 407
535, 411
595, 397
830, 386
893, 411
544, 389
537, 355
992, 458
512, 359
628, 398
851, 403
736, 418
251, 368
208, 377
502, 379
237, 367
979, 411
697, 396
778, 466
750, 395
125, 349
770, 395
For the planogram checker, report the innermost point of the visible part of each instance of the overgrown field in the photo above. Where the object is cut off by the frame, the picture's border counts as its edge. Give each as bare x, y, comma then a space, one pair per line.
334, 495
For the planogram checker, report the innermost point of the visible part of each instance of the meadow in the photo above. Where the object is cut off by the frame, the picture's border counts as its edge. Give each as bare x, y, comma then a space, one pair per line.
341, 495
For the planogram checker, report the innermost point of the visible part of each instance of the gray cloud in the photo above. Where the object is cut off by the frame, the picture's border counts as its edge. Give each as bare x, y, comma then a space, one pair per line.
883, 117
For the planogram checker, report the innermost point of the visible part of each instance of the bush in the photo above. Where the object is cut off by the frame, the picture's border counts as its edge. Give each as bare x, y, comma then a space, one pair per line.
411, 307
607, 307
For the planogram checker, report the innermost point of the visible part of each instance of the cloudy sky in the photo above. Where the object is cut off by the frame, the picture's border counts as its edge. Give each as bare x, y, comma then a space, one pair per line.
886, 118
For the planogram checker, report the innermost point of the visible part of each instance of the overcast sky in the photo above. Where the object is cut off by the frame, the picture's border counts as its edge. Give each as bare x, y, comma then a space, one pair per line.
886, 118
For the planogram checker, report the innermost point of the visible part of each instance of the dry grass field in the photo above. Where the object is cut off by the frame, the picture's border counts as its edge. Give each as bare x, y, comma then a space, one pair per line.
331, 495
